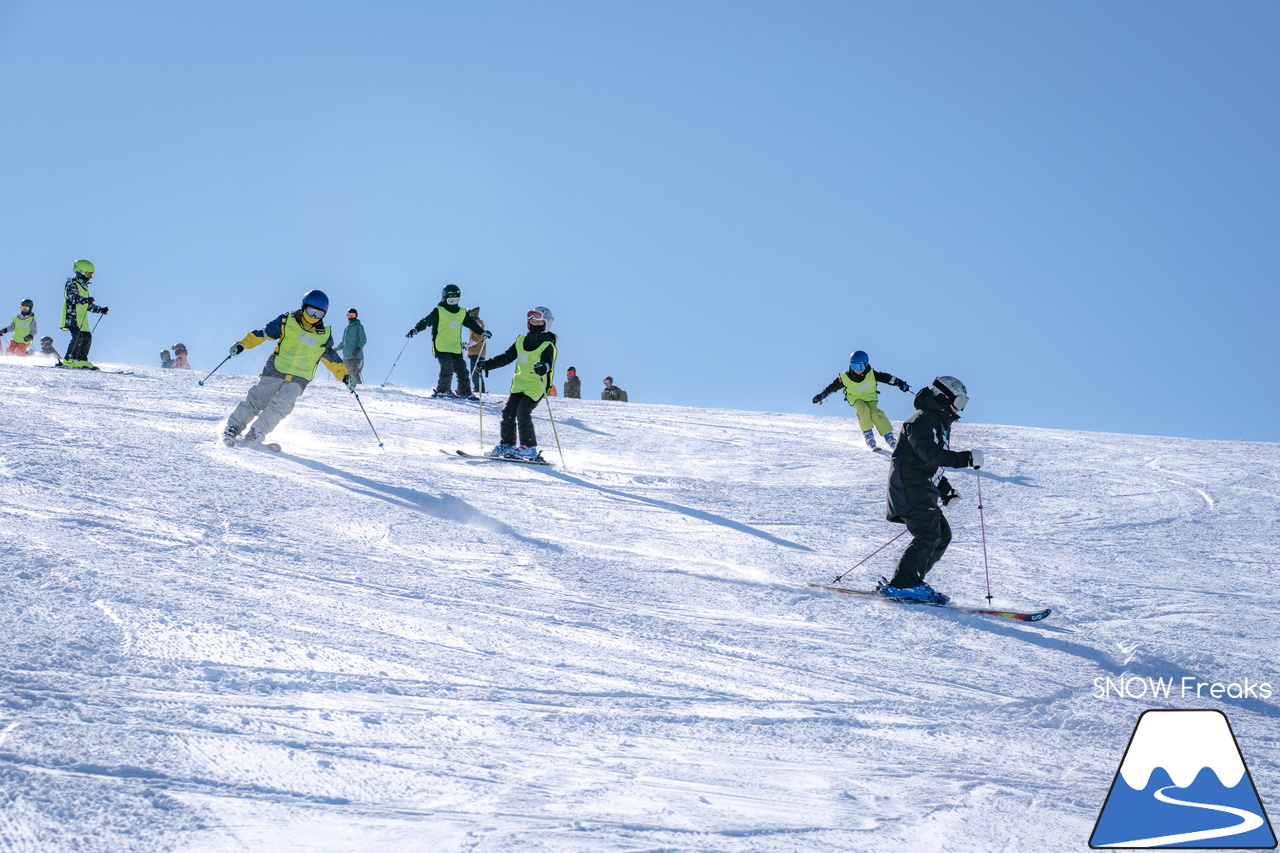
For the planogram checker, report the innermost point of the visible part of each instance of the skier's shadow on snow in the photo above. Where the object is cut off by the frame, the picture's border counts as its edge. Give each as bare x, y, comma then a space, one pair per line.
701, 515
444, 507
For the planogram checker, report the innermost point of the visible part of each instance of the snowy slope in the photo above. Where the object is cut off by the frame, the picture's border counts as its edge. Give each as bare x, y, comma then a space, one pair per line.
347, 648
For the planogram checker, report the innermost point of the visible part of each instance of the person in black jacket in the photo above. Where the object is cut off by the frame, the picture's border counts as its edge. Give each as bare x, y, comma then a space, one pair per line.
925, 446
859, 384
535, 357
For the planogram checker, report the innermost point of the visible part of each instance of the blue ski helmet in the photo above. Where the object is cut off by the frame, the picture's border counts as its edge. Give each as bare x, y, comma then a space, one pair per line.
316, 299
859, 361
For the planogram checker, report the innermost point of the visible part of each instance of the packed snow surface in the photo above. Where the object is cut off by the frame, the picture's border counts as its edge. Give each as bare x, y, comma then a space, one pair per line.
346, 647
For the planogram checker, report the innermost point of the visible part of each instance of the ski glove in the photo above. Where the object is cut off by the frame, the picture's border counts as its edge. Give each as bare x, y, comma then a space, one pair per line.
904, 386
105, 310
542, 368
486, 334
351, 381
237, 348
818, 398
975, 459
412, 332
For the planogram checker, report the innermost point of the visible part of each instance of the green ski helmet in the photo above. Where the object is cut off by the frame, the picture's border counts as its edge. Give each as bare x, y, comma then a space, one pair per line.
83, 267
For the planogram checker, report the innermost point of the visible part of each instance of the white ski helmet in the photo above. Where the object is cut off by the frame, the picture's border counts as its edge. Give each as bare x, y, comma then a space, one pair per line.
542, 314
951, 391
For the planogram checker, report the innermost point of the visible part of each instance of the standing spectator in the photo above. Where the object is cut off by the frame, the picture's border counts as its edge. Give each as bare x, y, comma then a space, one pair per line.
572, 384
166, 360
352, 346
180, 357
77, 305
23, 327
612, 392
477, 347
447, 321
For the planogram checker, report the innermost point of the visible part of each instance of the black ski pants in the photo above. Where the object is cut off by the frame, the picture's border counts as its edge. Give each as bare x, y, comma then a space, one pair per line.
451, 364
78, 349
518, 412
931, 534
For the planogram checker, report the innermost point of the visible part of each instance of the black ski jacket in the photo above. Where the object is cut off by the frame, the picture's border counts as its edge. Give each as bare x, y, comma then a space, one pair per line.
837, 385
923, 448
532, 340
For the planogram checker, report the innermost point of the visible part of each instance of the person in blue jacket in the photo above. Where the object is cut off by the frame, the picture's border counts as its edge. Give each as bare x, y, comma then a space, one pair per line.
352, 346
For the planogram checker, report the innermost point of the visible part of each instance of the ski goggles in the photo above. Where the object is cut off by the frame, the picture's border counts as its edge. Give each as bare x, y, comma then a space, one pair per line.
536, 316
857, 366
451, 300
314, 312
960, 402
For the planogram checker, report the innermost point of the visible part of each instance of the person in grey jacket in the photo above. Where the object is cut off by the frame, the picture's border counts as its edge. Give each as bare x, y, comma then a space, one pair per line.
352, 346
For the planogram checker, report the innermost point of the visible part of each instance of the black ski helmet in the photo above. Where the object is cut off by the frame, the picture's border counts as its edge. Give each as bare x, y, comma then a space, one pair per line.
951, 391
451, 291
28, 305
316, 299
179, 347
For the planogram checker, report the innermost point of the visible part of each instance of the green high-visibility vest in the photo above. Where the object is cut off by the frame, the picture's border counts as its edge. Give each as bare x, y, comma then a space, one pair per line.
864, 390
82, 310
526, 381
449, 328
299, 351
22, 328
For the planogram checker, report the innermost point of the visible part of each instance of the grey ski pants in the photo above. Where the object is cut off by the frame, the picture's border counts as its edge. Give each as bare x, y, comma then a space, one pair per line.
269, 401
354, 366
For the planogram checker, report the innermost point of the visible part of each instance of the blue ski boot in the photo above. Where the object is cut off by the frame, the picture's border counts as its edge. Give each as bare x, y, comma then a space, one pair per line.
870, 436
922, 593
890, 440
501, 451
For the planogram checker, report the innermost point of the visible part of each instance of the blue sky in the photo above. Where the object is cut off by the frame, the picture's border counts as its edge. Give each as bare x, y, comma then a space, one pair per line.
1071, 207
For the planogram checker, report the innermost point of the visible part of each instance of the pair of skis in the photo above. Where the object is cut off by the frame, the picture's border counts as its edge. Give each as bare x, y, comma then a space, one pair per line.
1016, 615
480, 457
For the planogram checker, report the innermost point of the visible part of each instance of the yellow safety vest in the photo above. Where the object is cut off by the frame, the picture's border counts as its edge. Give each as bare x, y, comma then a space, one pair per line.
449, 329
82, 310
22, 328
864, 390
526, 381
299, 351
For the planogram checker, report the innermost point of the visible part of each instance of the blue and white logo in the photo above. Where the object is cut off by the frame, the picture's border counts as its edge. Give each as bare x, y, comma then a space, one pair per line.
1183, 783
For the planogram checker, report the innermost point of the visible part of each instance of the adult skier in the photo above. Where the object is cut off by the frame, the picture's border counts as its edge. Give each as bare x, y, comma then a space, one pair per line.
477, 347
572, 384
23, 327
535, 357
353, 343
914, 492
447, 321
77, 305
302, 342
859, 383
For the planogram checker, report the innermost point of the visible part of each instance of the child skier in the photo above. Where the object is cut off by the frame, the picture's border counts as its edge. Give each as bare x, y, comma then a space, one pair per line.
166, 360
77, 305
859, 383
913, 496
46, 347
447, 321
535, 357
23, 327
180, 358
303, 341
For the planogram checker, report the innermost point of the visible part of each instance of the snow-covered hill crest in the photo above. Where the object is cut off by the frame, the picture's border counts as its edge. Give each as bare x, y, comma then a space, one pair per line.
344, 647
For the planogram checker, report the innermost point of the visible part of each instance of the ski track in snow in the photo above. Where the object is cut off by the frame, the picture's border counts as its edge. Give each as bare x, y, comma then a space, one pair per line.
348, 648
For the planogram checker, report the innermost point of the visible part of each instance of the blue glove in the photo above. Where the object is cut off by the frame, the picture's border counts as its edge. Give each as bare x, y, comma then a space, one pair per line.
351, 381
904, 386
237, 348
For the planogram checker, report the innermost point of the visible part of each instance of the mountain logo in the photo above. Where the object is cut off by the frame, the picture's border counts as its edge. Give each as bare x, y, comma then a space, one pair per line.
1183, 783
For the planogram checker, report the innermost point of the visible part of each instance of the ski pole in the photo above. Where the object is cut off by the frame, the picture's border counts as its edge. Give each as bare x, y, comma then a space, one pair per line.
366, 416
394, 363
481, 405
556, 433
96, 322
868, 557
983, 523
215, 370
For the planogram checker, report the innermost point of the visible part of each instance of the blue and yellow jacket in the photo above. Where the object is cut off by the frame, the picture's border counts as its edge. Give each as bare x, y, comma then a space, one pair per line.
300, 346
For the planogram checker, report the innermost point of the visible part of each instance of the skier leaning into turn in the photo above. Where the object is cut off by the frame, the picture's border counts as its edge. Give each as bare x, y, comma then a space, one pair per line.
859, 383
447, 321
303, 341
535, 357
915, 488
